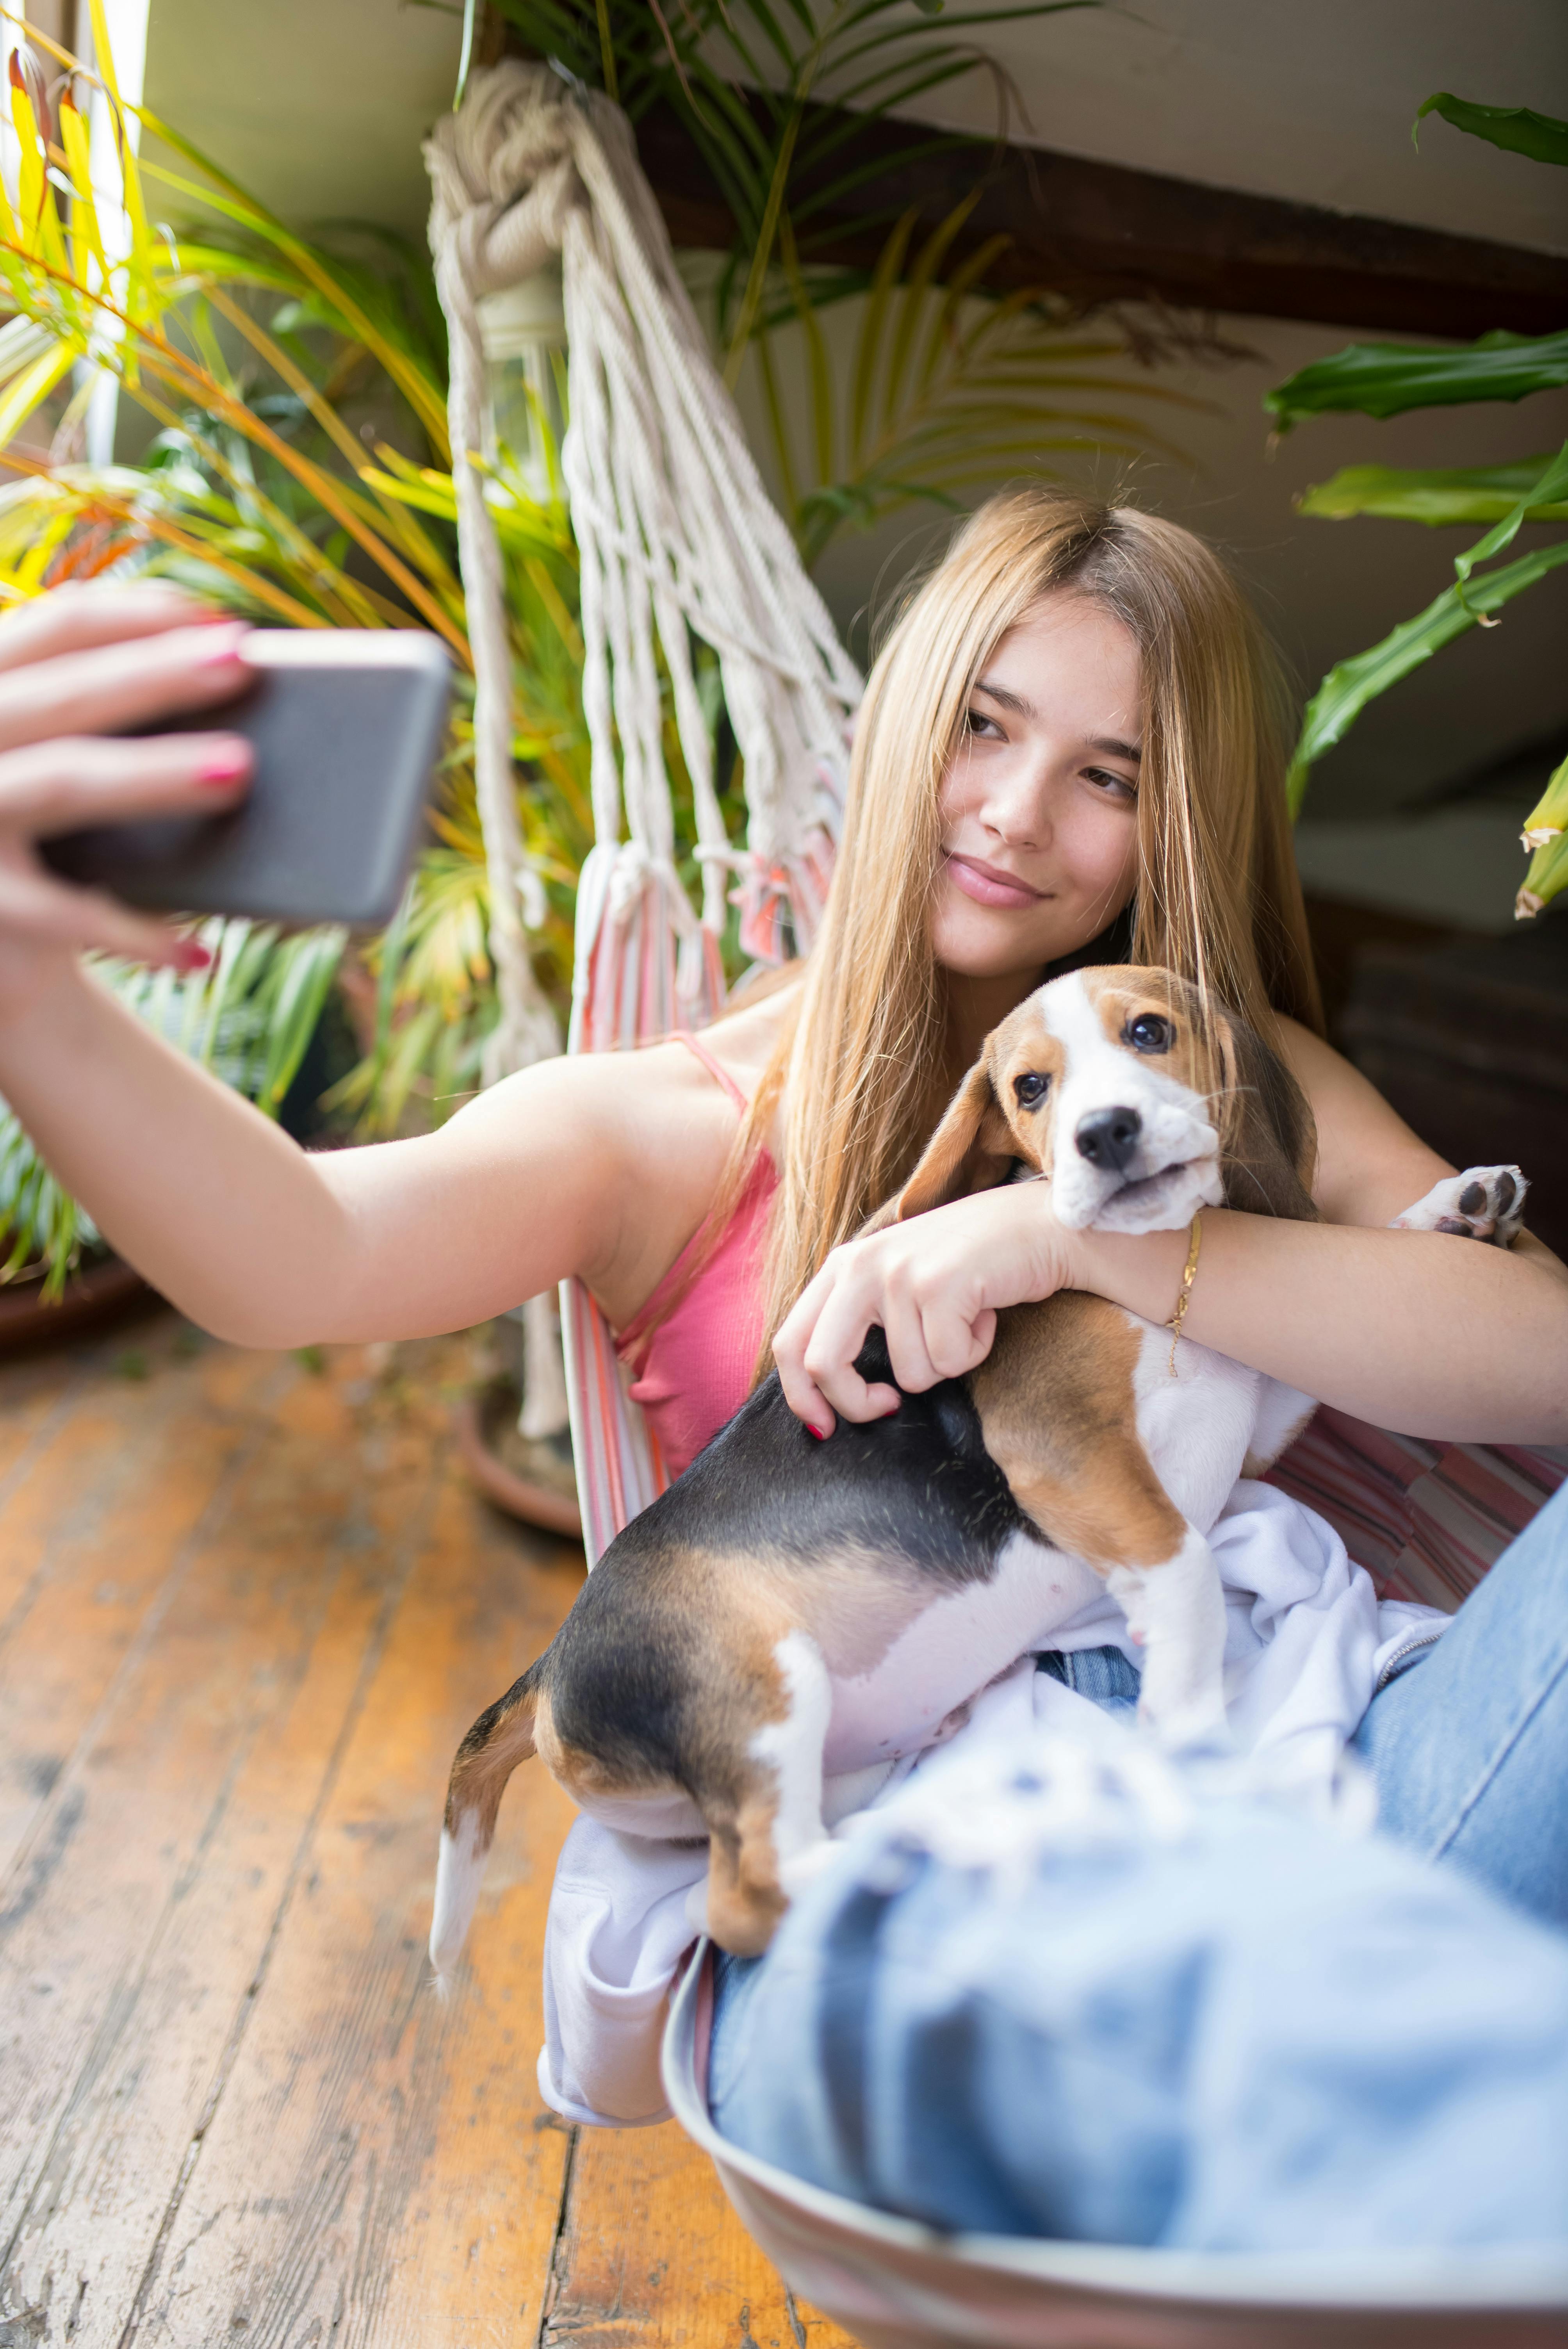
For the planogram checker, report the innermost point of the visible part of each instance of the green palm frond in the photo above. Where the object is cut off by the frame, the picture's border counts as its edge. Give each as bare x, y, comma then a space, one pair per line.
743, 75
943, 389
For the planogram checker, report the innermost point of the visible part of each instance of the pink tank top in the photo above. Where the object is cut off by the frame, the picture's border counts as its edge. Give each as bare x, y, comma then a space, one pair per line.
692, 1371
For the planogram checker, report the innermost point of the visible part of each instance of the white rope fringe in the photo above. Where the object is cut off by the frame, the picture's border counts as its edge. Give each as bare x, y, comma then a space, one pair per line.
676, 539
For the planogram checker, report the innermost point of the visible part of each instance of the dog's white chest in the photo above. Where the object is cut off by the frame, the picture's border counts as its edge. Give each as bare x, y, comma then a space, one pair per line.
1197, 1425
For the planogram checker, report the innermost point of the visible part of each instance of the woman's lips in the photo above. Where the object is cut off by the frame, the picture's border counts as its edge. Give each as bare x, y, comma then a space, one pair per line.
989, 884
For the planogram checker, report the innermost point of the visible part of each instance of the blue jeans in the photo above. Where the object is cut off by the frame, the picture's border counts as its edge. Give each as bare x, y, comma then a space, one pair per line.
1258, 2037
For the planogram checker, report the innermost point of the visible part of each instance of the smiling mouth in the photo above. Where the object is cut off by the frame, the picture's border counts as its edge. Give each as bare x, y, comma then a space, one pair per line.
987, 884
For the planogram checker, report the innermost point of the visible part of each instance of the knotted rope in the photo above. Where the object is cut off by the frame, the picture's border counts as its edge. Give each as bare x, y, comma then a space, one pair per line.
676, 539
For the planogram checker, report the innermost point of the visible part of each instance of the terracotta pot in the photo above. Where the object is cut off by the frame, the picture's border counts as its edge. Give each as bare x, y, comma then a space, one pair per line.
97, 1294
527, 1480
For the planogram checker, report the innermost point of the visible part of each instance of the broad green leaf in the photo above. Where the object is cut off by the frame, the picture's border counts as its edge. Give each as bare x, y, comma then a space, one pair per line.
1385, 380
1479, 493
1350, 685
1518, 127
1552, 485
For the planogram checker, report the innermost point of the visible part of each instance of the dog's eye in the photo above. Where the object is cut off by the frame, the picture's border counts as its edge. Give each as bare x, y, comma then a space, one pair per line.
1031, 1090
1149, 1033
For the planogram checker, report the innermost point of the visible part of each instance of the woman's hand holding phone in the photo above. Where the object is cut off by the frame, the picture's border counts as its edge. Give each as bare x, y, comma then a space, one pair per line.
74, 666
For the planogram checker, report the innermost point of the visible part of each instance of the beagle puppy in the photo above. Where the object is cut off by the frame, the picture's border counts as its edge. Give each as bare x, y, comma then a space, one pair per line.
794, 1614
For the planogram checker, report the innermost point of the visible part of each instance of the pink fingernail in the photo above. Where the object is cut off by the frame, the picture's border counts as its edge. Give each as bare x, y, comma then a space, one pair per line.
819, 1433
224, 766
189, 955
227, 649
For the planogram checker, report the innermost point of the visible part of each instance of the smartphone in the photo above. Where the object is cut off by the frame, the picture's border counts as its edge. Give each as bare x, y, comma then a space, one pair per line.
347, 725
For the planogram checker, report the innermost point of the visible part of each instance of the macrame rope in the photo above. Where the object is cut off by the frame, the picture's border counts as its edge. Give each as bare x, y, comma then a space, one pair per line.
676, 539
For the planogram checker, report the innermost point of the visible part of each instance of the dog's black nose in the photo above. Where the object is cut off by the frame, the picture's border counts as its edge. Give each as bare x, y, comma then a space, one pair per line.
1107, 1138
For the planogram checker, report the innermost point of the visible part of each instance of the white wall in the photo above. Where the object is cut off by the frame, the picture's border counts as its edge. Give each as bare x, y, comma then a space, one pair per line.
318, 107
1309, 99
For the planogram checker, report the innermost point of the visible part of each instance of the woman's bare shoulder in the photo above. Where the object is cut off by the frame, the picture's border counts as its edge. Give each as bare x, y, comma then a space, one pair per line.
647, 1133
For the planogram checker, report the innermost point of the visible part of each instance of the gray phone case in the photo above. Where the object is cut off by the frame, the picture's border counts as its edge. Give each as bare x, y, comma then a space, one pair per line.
346, 725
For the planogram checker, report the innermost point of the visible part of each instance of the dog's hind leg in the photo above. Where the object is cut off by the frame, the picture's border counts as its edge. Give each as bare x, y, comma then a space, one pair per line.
767, 1843
501, 1737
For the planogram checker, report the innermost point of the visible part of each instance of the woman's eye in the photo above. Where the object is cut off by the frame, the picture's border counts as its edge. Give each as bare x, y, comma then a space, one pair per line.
1112, 787
984, 729
1031, 1090
1149, 1033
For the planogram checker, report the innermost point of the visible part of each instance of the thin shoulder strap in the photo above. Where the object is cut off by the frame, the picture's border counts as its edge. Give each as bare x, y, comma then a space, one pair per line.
720, 1076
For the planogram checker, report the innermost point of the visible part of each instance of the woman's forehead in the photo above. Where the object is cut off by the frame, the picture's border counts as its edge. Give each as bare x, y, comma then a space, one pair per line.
1068, 657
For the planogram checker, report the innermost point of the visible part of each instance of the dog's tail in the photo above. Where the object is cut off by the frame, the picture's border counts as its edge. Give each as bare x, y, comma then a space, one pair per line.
500, 1739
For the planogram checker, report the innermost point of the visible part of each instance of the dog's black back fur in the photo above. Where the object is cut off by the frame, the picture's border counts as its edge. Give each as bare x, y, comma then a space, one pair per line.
920, 1484
918, 1487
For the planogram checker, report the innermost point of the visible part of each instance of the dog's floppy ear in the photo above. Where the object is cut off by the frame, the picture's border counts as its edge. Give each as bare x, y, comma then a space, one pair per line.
972, 1150
1269, 1142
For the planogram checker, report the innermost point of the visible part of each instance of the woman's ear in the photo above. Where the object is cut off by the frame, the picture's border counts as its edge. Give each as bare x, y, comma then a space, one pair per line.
972, 1150
1268, 1142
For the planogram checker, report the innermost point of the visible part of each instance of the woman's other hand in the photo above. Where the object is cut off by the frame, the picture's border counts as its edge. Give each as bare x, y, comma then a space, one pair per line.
934, 1285
76, 665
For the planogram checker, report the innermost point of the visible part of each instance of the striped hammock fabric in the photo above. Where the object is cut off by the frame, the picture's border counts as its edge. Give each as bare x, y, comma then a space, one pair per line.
1426, 1520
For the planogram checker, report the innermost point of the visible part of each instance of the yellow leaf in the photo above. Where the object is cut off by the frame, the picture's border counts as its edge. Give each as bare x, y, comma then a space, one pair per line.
30, 168
84, 213
32, 386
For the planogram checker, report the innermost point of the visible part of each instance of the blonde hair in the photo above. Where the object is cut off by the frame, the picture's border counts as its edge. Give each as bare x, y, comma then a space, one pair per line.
862, 1066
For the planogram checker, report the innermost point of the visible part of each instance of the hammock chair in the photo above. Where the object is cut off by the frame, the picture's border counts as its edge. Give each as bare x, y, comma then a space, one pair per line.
678, 540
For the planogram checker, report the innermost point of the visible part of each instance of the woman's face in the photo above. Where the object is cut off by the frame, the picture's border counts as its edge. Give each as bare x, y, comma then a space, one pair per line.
1039, 805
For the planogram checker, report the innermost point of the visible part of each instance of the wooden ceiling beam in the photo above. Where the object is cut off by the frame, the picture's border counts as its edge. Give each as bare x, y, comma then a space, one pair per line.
1099, 233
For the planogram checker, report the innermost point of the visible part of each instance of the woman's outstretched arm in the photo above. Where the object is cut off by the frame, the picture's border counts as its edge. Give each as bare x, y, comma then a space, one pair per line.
266, 1245
594, 1168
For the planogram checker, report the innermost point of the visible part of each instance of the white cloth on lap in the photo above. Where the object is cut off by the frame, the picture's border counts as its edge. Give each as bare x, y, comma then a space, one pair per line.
1306, 1641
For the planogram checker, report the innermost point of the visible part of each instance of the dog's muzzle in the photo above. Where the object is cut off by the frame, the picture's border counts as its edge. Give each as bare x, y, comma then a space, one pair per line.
1140, 1166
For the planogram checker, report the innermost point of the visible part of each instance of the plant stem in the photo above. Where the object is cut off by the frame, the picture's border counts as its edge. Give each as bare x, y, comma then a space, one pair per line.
607, 52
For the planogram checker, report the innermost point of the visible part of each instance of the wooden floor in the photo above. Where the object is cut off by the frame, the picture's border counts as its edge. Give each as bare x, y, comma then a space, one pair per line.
247, 1605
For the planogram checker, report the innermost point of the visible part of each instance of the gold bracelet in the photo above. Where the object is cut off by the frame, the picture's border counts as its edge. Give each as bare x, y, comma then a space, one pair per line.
1188, 1276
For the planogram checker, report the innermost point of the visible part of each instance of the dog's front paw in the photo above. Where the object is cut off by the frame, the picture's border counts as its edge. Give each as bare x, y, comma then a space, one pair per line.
1484, 1203
1186, 1719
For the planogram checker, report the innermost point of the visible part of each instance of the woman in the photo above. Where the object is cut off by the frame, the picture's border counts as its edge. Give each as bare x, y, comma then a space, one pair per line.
1070, 750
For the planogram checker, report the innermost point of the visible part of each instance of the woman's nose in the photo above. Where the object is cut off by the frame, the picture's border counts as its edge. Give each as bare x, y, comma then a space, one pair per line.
1015, 809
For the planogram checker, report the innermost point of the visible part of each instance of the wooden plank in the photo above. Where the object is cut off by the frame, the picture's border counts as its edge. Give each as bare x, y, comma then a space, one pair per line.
379, 2170
95, 1539
651, 2253
34, 1396
1099, 232
130, 1938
